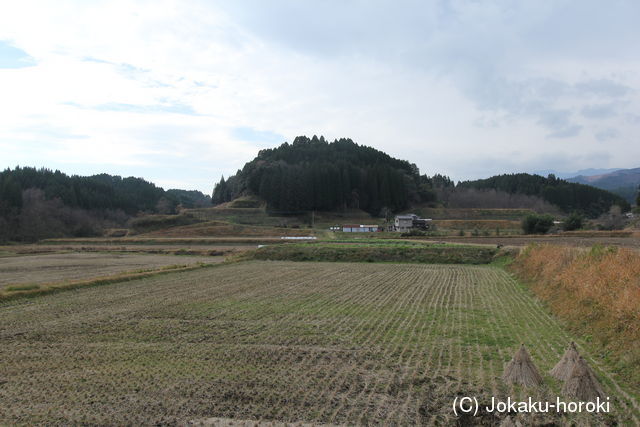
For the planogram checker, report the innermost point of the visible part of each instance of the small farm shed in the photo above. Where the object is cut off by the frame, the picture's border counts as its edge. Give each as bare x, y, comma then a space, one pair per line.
360, 228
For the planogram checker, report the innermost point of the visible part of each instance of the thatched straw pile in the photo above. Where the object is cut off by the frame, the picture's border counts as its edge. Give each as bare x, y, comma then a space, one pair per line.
521, 370
564, 367
582, 383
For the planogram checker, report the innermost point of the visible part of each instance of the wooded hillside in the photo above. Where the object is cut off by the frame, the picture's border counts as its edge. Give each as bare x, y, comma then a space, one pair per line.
567, 196
37, 203
314, 174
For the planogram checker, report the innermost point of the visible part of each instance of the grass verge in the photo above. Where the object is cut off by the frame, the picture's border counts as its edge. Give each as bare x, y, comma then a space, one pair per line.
431, 254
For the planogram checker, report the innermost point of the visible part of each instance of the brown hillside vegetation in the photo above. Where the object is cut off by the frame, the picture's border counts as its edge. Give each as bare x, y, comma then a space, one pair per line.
596, 291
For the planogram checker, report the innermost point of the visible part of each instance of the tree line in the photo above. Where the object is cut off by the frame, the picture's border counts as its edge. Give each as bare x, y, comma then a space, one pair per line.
568, 196
36, 203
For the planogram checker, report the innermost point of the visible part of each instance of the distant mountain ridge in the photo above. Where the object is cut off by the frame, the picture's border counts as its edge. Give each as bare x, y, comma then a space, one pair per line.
581, 172
623, 182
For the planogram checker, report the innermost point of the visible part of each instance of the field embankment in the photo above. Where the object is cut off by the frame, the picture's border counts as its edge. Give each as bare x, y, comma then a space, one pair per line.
350, 252
596, 291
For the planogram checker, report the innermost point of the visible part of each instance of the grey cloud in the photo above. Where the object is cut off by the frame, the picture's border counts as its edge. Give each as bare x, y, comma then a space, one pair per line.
599, 111
603, 87
555, 119
632, 119
607, 134
566, 132
478, 47
533, 98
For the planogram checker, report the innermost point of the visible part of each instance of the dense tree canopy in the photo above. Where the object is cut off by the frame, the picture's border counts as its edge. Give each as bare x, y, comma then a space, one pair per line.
567, 196
188, 198
313, 174
89, 192
37, 203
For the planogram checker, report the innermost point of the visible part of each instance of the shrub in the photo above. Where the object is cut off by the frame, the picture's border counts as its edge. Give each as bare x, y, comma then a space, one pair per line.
573, 222
537, 224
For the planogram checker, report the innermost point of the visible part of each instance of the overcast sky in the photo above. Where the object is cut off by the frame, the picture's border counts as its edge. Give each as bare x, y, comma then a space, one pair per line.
181, 92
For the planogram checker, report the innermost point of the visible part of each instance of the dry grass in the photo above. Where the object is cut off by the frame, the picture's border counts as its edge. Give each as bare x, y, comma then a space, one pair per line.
339, 343
596, 291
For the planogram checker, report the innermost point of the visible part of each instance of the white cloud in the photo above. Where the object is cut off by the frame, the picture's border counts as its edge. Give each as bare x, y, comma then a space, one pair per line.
467, 89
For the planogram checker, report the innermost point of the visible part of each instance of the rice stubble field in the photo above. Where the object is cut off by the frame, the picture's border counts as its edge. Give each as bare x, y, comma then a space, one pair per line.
338, 343
58, 267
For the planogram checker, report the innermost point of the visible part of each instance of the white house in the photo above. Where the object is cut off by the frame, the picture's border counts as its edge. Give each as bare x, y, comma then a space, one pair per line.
407, 222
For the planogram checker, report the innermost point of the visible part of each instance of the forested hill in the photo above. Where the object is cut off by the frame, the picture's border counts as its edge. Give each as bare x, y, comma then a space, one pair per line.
567, 196
314, 174
36, 203
102, 191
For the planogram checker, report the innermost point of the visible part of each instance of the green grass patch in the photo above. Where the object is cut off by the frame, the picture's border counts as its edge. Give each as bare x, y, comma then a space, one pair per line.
411, 253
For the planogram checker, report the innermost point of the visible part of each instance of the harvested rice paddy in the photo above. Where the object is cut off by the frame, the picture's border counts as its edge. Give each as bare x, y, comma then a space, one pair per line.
337, 343
47, 268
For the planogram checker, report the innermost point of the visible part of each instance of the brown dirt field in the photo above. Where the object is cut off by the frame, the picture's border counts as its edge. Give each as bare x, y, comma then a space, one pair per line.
47, 268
